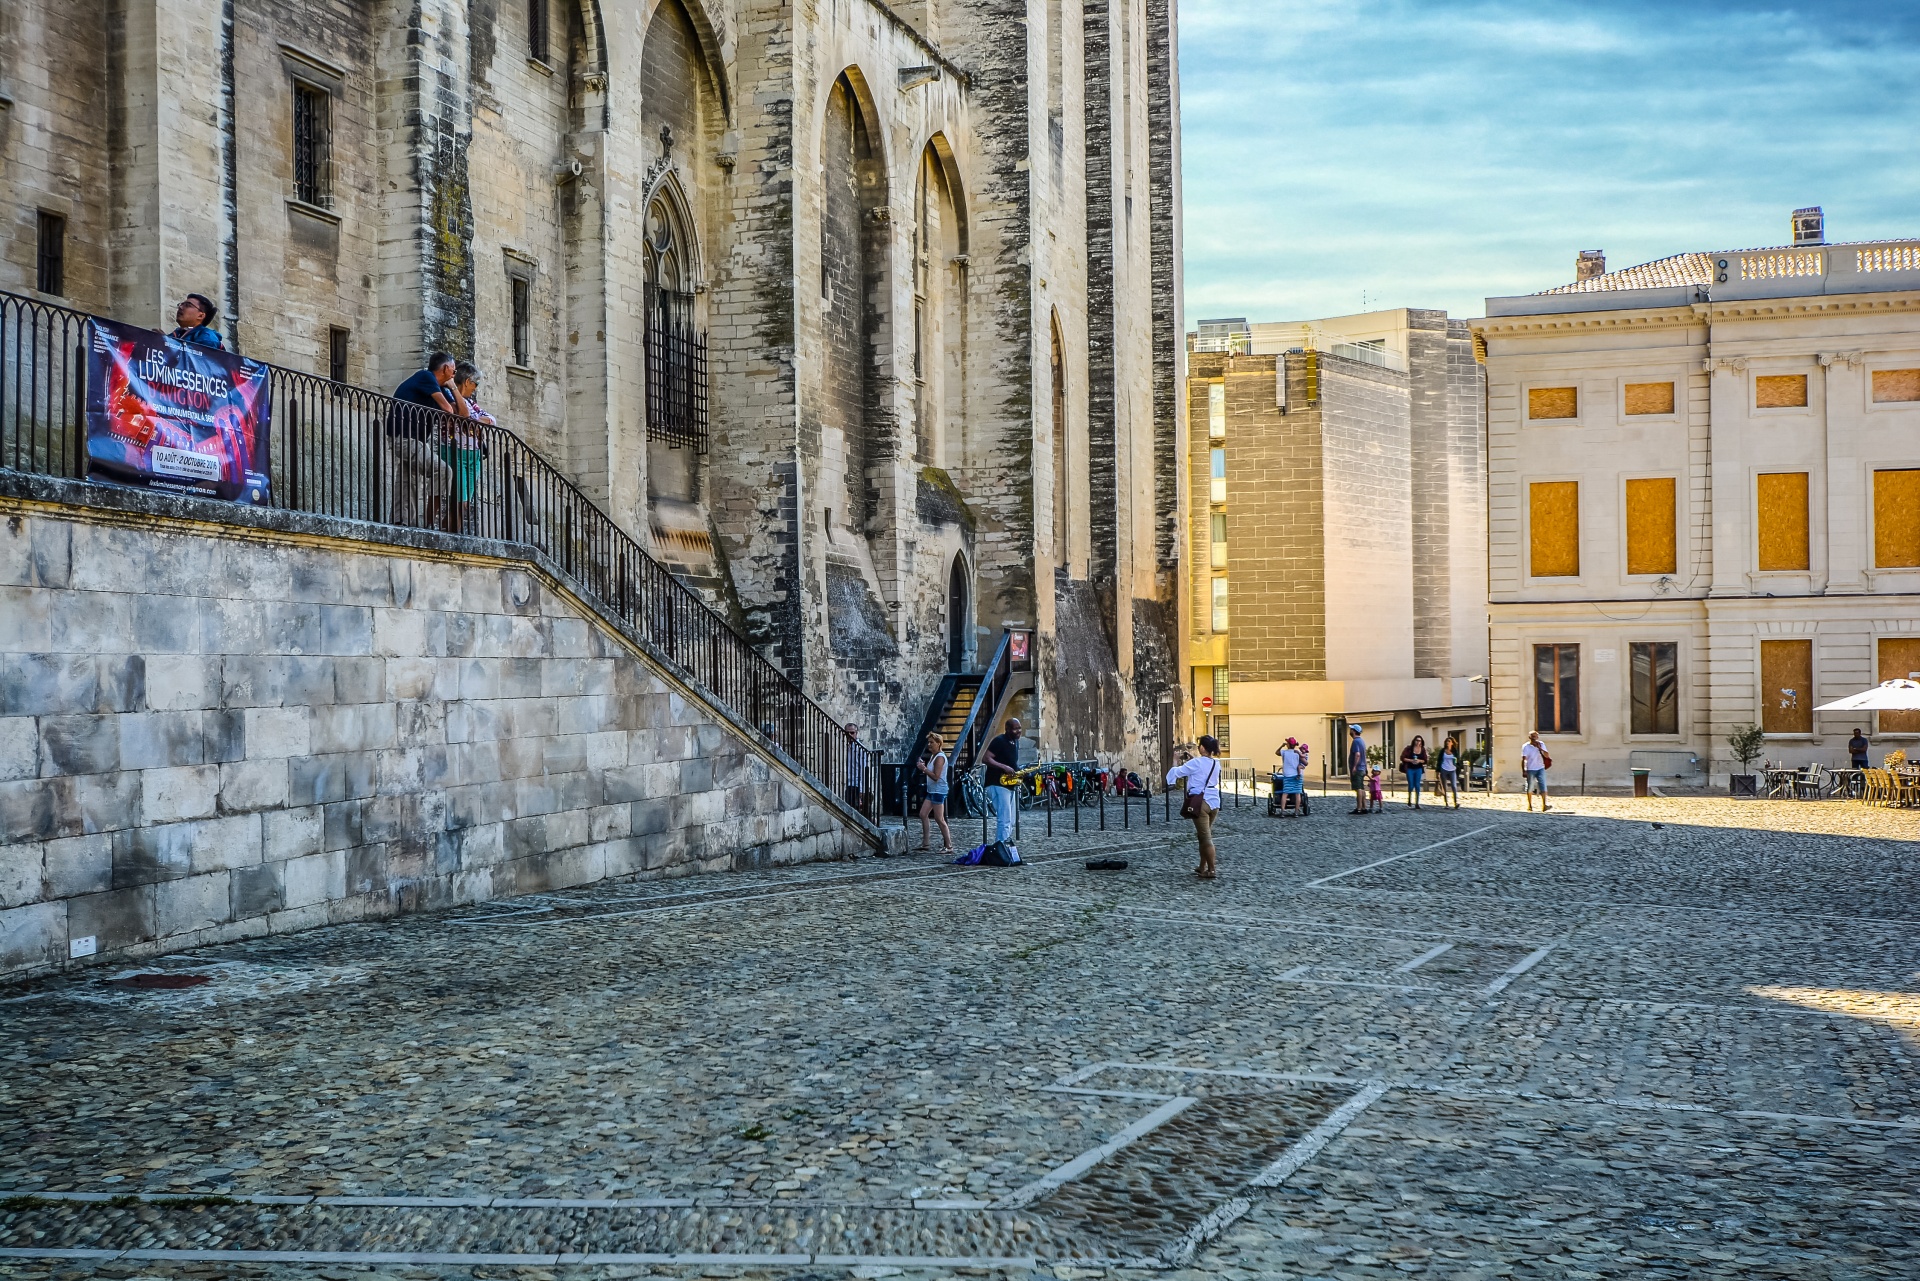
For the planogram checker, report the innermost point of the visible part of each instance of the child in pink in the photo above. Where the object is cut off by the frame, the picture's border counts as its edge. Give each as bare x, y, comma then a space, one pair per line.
1373, 791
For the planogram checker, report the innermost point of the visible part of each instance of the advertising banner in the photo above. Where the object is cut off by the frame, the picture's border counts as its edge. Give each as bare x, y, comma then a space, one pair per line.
175, 415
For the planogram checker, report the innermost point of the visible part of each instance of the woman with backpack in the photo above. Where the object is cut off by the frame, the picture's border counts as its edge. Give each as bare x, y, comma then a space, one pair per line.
1199, 778
1413, 763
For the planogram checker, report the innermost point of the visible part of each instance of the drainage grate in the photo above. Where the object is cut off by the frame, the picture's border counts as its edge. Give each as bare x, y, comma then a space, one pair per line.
159, 982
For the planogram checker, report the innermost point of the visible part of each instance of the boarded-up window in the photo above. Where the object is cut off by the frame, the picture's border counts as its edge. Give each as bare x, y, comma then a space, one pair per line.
1893, 385
1650, 526
1780, 513
1899, 660
1553, 524
1786, 686
1553, 402
1649, 398
1780, 391
1896, 519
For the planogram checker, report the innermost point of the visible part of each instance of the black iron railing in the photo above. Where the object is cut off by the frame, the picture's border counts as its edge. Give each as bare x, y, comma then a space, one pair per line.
346, 452
676, 371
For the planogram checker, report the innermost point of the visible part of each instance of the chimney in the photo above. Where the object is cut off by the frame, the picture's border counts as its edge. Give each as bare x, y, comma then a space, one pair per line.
1809, 227
1590, 263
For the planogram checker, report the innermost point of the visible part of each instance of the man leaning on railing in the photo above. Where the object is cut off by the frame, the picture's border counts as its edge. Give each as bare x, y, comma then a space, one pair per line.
425, 480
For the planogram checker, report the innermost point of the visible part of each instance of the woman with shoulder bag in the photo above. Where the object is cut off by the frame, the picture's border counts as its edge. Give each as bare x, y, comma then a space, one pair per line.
1200, 776
1413, 763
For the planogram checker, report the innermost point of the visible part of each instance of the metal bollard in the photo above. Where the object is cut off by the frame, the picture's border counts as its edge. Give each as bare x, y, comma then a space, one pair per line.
1148, 807
1166, 805
1049, 815
1236, 789
1126, 809
1076, 811
1103, 809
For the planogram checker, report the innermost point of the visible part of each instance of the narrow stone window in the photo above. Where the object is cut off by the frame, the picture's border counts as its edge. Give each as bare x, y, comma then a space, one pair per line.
1220, 603
1650, 526
1548, 403
1780, 391
1780, 512
1649, 399
1896, 519
50, 265
1553, 528
1217, 411
537, 46
1786, 686
337, 339
522, 320
1894, 386
1655, 673
1219, 540
312, 144
1217, 488
1899, 660
1556, 689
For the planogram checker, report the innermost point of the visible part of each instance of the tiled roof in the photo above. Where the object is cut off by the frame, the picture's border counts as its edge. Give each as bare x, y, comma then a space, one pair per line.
1661, 273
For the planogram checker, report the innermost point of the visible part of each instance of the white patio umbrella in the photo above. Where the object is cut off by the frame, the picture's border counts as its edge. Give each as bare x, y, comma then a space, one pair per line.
1887, 696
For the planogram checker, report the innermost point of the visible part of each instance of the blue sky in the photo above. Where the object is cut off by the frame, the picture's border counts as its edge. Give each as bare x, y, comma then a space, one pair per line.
1429, 153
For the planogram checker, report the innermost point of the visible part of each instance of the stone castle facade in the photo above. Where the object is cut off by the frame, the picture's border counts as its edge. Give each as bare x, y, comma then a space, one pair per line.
927, 254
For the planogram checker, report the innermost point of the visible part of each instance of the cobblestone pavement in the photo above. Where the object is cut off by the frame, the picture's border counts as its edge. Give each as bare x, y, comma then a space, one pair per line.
1655, 1038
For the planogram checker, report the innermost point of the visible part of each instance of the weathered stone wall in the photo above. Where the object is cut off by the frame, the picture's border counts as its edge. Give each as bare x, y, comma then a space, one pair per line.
207, 733
459, 161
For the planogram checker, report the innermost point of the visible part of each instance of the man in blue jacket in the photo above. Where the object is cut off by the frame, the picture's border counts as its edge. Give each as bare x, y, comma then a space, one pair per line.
193, 319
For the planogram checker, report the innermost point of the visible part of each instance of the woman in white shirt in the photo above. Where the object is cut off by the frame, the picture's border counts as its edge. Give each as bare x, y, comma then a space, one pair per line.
1200, 776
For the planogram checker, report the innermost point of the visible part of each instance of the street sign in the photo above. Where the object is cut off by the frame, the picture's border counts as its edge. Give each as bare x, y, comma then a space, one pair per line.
1206, 703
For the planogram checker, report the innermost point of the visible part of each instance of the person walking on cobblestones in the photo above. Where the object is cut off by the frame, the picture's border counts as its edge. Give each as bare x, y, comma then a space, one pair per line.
933, 767
1534, 763
1357, 768
1449, 783
1413, 763
1200, 780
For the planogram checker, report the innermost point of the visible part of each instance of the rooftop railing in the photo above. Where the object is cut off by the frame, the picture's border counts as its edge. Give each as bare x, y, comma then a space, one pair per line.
342, 451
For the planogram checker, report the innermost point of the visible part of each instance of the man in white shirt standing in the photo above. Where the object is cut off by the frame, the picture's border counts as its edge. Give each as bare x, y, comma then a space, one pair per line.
1534, 763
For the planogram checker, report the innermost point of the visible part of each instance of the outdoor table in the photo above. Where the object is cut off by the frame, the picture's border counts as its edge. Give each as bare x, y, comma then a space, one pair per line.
1780, 782
1851, 783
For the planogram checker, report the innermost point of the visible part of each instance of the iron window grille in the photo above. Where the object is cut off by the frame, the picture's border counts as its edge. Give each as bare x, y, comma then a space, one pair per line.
312, 145
337, 354
522, 321
676, 371
537, 45
50, 268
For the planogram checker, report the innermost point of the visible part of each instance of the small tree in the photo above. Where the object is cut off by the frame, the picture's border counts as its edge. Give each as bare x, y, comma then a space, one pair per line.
1377, 755
1747, 741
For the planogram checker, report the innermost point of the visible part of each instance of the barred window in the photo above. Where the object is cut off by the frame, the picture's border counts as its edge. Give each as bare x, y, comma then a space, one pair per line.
522, 321
337, 354
312, 144
537, 45
676, 370
50, 274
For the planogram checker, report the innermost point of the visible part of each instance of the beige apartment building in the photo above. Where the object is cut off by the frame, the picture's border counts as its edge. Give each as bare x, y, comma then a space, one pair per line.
1337, 524
1704, 506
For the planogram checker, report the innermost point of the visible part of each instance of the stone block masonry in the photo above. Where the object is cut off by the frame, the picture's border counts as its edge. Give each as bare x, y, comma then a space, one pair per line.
209, 733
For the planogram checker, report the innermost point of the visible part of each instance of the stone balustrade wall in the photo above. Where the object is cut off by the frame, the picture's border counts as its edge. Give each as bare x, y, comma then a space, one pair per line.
210, 732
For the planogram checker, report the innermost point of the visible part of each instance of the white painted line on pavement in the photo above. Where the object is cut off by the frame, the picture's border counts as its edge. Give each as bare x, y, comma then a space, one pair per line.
1092, 1157
1423, 958
521, 1260
1180, 1252
1528, 962
1382, 862
1317, 1138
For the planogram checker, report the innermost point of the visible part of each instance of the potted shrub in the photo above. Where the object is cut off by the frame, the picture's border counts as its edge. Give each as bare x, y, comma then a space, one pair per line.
1747, 741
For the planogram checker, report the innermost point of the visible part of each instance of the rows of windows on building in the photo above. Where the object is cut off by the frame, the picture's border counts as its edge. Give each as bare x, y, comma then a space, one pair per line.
1783, 540
1217, 500
1786, 680
310, 152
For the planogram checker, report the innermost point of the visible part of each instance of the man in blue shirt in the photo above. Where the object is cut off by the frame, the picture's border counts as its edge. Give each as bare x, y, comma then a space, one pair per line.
426, 482
193, 320
1357, 768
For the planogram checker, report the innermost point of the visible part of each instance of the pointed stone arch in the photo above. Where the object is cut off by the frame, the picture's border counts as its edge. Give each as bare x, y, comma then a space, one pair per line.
1062, 452
938, 246
706, 34
857, 405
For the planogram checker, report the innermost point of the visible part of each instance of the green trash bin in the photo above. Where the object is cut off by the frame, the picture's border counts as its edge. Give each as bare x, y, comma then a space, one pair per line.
1640, 781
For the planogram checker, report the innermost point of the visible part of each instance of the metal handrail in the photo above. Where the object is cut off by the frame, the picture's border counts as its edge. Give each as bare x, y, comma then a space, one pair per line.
347, 452
976, 727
